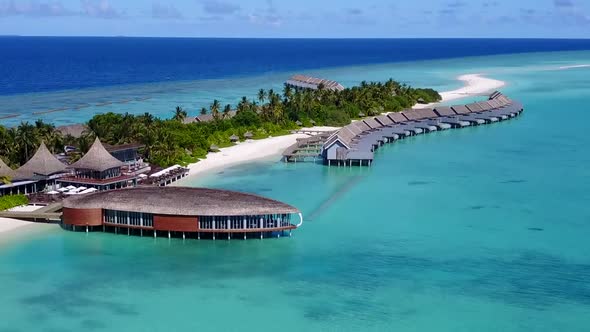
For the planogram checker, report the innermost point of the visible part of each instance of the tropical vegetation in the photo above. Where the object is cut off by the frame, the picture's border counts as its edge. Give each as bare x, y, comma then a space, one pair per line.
176, 140
11, 201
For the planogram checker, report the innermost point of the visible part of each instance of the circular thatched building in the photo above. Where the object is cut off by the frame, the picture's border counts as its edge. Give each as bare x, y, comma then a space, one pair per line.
192, 212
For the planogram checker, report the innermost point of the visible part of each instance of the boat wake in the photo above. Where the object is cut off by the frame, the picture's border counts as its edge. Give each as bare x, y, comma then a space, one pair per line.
346, 187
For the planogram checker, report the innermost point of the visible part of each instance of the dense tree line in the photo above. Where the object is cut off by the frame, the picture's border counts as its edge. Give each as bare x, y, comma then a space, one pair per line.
170, 141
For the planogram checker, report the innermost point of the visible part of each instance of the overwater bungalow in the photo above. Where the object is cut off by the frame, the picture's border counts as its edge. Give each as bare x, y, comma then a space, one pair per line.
313, 83
356, 143
178, 211
98, 169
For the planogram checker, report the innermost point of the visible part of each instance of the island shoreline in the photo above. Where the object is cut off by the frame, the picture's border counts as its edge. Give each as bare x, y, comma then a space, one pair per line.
256, 150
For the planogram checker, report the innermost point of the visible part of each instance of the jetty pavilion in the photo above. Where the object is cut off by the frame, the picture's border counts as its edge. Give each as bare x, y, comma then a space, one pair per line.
98, 169
313, 83
356, 143
39, 172
180, 212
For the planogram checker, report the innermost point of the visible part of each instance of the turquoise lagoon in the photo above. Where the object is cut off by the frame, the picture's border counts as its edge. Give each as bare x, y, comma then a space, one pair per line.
480, 229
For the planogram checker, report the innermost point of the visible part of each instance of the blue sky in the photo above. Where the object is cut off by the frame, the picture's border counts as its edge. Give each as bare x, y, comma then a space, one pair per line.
298, 18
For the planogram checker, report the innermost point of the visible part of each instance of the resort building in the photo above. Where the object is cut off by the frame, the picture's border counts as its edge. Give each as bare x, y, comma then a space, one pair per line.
127, 153
12, 188
313, 83
38, 173
178, 211
100, 170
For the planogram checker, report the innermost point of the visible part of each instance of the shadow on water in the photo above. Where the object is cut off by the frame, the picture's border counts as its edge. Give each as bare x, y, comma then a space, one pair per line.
343, 189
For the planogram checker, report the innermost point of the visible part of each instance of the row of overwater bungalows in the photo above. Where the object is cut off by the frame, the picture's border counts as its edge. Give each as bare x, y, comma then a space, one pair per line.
356, 143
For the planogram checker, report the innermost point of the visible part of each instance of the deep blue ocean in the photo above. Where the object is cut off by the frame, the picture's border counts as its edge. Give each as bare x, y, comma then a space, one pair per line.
42, 64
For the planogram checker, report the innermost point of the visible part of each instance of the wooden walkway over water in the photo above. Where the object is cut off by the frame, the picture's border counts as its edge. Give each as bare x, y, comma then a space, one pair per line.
307, 149
49, 213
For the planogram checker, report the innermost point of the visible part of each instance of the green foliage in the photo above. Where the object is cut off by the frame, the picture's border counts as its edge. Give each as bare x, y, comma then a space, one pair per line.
9, 202
170, 141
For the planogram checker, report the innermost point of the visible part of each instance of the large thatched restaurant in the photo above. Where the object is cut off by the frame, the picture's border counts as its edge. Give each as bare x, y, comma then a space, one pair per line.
180, 212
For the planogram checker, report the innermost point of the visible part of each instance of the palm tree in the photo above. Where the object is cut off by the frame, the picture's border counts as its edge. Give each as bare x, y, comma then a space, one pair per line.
204, 111
27, 139
261, 96
215, 109
226, 111
287, 92
179, 114
4, 179
243, 105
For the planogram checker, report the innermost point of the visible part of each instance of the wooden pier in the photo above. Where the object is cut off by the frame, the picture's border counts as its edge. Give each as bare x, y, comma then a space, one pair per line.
307, 149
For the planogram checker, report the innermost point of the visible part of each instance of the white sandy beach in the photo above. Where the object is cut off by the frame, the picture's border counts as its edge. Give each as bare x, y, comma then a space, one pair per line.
475, 84
7, 224
247, 151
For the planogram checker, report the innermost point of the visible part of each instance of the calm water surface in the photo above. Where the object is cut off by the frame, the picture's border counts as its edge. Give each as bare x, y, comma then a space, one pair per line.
480, 229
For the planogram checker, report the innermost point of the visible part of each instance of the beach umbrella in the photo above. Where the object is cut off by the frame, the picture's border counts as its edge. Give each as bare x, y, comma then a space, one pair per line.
53, 192
70, 187
82, 188
63, 189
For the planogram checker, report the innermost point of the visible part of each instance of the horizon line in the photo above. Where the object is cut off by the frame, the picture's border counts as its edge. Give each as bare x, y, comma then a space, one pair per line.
294, 38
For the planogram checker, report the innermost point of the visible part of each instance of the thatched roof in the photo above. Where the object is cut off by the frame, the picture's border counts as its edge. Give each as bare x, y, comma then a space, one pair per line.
384, 120
43, 163
97, 159
234, 138
474, 107
180, 201
486, 106
213, 147
361, 125
248, 135
189, 120
419, 114
372, 123
444, 111
5, 170
357, 127
397, 117
299, 123
204, 118
308, 82
460, 109
75, 130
